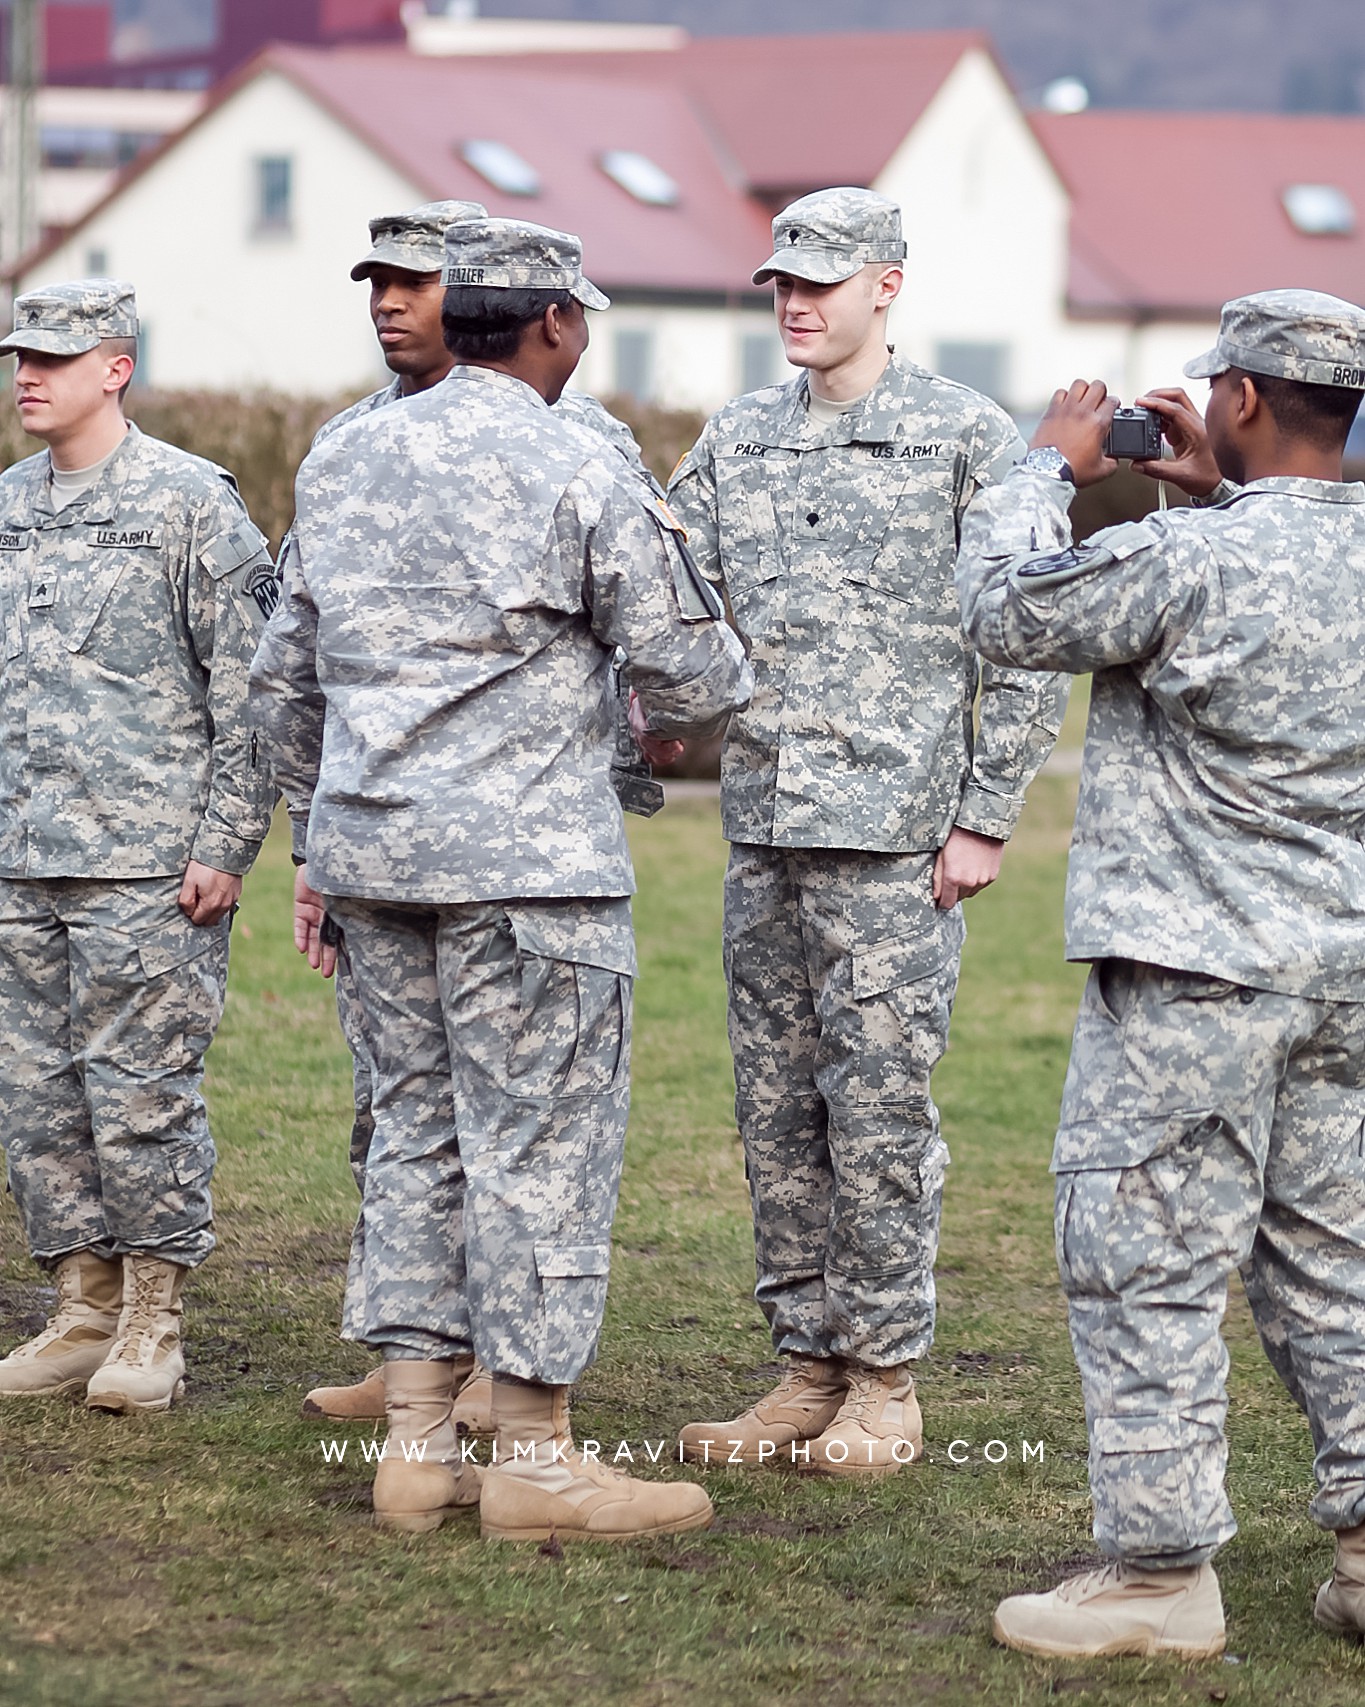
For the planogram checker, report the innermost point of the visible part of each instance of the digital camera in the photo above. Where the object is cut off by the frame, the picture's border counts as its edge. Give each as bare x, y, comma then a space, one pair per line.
1134, 433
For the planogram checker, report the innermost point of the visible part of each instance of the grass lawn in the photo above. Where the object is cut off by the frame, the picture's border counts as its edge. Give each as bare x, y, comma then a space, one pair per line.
213, 1557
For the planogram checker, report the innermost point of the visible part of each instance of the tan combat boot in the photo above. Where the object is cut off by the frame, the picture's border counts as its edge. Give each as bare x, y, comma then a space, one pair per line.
473, 1409
540, 1485
801, 1406
145, 1370
421, 1480
1119, 1609
361, 1401
78, 1336
877, 1429
1340, 1606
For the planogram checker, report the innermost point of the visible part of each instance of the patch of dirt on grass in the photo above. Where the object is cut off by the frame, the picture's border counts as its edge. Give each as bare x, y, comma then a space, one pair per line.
355, 1496
216, 1366
24, 1309
987, 1362
770, 1528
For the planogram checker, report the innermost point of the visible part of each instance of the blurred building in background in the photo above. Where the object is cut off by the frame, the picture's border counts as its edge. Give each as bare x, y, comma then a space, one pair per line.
1042, 244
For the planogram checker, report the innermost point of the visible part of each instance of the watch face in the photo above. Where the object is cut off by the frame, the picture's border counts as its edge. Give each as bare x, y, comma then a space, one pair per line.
1047, 459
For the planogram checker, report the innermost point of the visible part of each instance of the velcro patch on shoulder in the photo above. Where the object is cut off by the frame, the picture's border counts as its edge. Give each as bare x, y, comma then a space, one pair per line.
228, 551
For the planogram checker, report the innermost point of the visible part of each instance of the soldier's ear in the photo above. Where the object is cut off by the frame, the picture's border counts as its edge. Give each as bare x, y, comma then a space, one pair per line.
118, 370
888, 286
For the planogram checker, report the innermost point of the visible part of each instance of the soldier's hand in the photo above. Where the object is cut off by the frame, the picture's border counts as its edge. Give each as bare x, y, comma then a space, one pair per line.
207, 895
1076, 422
1191, 466
658, 749
309, 912
966, 864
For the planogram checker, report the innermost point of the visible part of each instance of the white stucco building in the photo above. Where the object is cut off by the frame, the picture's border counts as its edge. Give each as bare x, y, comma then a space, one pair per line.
1040, 247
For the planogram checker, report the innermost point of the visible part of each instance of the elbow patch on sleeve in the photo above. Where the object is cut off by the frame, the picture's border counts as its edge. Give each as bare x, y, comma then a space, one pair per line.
1114, 545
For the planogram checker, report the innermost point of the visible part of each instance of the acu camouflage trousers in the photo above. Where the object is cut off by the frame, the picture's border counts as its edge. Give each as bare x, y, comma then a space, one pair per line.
1207, 1127
109, 998
498, 1040
841, 975
351, 1017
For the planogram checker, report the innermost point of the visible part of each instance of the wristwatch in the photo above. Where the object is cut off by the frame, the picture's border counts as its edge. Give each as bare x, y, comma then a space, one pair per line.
1047, 459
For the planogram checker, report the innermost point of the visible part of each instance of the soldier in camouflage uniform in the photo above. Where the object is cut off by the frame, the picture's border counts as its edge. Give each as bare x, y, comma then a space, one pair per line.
132, 799
403, 268
1215, 1100
433, 692
860, 810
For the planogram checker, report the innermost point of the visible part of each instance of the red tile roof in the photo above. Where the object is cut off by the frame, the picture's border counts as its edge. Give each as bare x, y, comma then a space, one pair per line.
1174, 213
801, 112
418, 112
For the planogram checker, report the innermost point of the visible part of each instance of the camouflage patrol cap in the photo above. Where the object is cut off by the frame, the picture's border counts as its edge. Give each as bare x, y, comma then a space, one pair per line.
414, 240
69, 319
829, 235
509, 254
1289, 334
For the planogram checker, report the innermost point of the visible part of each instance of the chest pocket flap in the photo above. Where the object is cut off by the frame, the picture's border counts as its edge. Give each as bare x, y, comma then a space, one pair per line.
113, 551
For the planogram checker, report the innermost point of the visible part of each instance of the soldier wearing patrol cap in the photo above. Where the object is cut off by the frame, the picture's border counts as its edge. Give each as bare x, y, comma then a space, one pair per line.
1215, 1099
132, 799
433, 695
403, 268
861, 810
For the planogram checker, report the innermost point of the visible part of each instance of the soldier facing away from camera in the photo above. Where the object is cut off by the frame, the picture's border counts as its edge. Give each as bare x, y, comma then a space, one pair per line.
403, 269
861, 810
1215, 1098
433, 688
132, 800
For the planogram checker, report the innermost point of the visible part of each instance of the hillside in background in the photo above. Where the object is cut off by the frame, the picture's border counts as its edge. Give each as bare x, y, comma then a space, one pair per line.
1236, 54
1216, 54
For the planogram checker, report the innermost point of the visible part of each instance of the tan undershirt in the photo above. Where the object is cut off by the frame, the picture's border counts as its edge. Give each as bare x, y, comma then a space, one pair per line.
68, 484
826, 412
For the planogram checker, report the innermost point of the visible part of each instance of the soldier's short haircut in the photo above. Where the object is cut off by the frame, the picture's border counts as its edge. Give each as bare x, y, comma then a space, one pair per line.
488, 325
121, 347
1321, 414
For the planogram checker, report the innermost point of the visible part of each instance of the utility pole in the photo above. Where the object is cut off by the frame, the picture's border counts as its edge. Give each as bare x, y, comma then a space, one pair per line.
19, 160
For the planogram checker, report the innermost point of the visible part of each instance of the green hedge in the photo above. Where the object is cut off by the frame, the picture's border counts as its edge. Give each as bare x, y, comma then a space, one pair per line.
263, 436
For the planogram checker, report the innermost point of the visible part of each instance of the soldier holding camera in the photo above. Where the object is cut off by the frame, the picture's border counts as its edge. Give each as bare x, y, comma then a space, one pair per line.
1214, 1103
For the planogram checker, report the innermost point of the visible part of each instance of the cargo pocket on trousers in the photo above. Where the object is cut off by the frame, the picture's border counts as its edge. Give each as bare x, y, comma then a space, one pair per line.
903, 991
571, 1027
573, 1289
1141, 1483
1124, 1198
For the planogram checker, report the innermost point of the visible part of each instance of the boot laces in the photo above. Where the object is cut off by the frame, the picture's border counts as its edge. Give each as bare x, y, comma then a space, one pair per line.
865, 1394
142, 1311
794, 1381
1108, 1575
68, 1296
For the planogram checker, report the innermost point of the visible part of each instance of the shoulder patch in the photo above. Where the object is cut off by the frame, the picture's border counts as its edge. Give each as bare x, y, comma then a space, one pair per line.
264, 584
228, 551
698, 600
